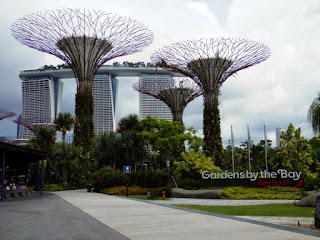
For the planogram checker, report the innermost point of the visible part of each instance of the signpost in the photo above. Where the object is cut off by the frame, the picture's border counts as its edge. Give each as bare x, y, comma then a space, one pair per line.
127, 170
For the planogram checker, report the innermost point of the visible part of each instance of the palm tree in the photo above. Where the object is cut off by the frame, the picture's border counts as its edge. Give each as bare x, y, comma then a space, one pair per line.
64, 122
314, 115
45, 138
128, 123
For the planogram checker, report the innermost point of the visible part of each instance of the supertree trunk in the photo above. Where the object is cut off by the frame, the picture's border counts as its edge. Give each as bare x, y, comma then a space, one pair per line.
84, 127
177, 116
211, 127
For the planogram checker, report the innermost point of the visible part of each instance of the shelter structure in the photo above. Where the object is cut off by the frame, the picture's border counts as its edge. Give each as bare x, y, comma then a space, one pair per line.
14, 156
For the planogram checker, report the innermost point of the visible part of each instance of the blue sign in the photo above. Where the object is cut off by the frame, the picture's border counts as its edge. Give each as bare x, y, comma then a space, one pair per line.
127, 169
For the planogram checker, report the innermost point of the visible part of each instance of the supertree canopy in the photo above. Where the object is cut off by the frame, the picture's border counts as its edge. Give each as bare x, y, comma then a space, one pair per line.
6, 114
176, 95
84, 40
209, 62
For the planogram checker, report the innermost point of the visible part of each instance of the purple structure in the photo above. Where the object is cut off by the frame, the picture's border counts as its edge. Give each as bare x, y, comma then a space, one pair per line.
84, 40
6, 114
176, 95
210, 62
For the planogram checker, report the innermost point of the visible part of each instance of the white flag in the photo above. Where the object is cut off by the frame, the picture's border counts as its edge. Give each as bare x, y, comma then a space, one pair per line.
232, 140
265, 139
232, 149
249, 139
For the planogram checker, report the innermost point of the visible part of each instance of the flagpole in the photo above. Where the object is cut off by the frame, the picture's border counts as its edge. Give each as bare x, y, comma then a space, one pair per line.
249, 148
266, 146
232, 148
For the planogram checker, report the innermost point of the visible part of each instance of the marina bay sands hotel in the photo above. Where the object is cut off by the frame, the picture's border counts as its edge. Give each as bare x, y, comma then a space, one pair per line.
42, 95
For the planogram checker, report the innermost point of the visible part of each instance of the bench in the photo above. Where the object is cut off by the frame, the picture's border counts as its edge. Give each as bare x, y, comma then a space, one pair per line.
16, 192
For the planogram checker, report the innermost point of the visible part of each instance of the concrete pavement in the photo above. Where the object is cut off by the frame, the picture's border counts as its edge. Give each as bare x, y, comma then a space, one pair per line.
140, 220
49, 217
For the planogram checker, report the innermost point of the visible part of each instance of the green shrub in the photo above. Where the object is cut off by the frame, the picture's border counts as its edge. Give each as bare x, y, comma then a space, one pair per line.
52, 187
106, 178
311, 182
261, 193
135, 190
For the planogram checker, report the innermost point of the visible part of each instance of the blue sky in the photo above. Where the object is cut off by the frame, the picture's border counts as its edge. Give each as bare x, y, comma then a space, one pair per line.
273, 93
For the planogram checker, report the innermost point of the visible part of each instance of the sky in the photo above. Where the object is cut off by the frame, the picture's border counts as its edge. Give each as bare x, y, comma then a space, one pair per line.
274, 93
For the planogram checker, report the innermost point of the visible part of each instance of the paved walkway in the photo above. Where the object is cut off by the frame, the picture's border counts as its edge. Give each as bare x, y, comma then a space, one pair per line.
49, 217
141, 220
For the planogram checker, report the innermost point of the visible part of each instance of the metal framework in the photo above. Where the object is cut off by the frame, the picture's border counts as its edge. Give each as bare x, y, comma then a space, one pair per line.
6, 114
210, 62
33, 125
176, 95
84, 40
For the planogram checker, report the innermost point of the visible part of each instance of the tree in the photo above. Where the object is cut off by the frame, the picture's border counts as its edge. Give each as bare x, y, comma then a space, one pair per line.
64, 160
106, 150
64, 122
294, 151
128, 123
188, 171
45, 138
314, 115
165, 138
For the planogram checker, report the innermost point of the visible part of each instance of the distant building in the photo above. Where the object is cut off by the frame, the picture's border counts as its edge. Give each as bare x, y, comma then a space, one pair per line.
41, 102
278, 134
104, 97
150, 106
42, 95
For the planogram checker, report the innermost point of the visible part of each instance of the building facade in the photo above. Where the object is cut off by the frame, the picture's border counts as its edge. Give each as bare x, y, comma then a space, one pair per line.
150, 106
104, 98
41, 102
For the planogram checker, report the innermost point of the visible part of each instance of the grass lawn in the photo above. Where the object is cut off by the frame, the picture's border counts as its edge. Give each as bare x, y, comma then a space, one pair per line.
145, 198
281, 210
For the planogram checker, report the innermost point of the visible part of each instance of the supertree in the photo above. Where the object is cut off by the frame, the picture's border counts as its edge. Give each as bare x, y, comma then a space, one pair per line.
33, 125
176, 94
84, 40
209, 62
6, 114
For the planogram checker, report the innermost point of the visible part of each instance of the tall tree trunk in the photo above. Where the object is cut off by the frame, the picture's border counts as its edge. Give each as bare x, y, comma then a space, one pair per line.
211, 127
84, 128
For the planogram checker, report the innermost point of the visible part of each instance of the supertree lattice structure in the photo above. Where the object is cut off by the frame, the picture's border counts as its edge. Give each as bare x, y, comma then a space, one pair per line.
209, 62
33, 125
84, 40
6, 114
176, 95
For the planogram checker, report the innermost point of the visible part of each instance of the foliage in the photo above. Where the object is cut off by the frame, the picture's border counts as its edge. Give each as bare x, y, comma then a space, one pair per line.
64, 122
45, 138
315, 153
64, 160
211, 129
188, 171
83, 127
294, 151
314, 115
52, 187
261, 193
106, 150
128, 123
165, 137
108, 178
282, 209
311, 182
135, 190
122, 190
